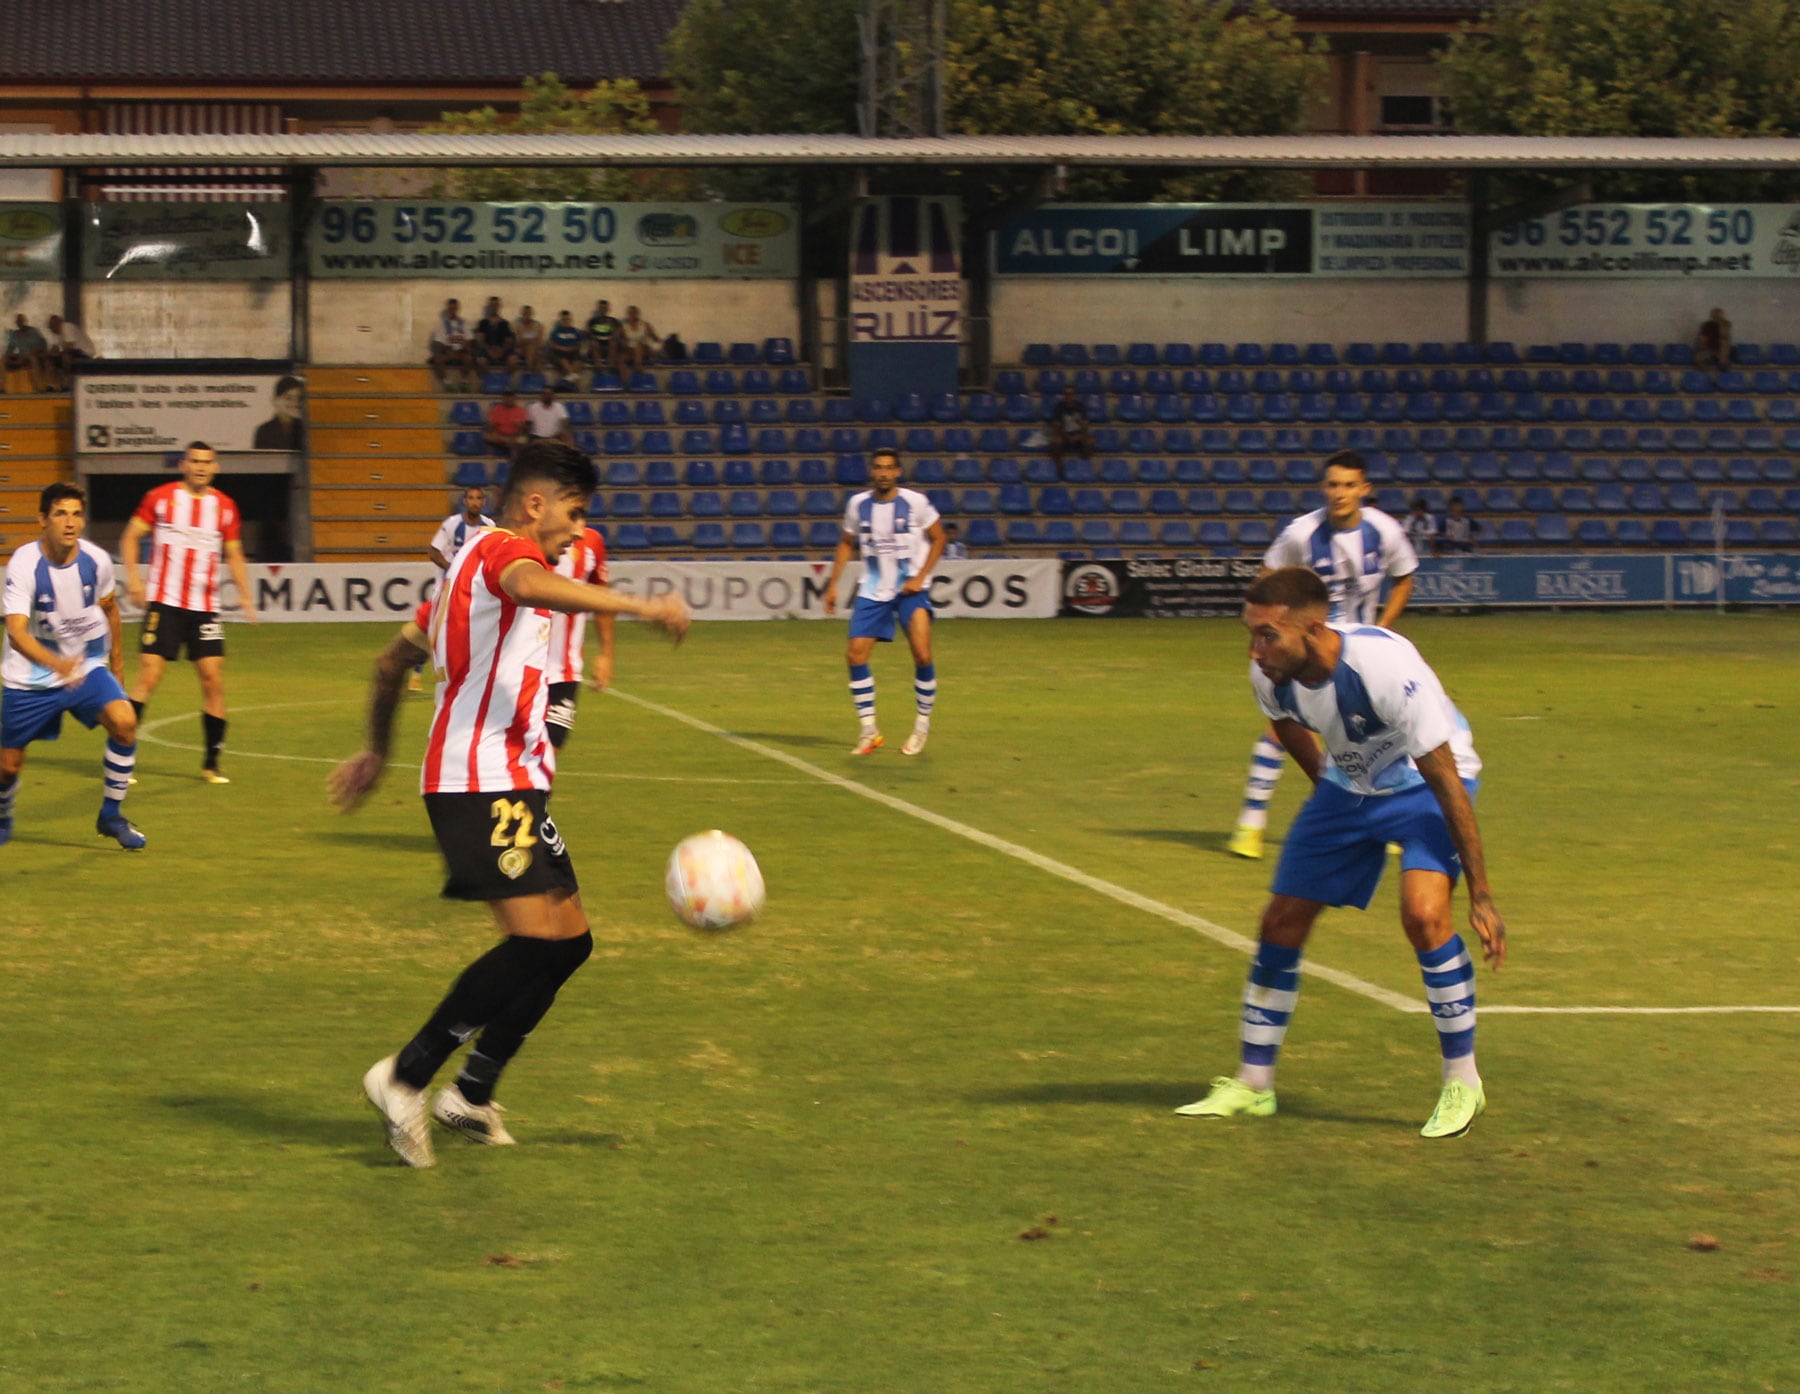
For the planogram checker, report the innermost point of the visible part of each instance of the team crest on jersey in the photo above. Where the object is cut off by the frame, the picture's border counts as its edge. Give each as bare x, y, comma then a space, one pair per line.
514, 863
1357, 725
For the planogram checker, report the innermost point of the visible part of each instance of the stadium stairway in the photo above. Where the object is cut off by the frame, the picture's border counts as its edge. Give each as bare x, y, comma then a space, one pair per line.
36, 448
378, 485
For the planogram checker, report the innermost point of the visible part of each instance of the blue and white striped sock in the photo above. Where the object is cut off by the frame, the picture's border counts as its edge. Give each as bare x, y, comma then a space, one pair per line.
862, 692
925, 692
117, 764
8, 792
1266, 763
1449, 975
1269, 998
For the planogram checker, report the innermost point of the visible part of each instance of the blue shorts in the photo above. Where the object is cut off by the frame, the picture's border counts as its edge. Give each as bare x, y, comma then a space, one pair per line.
1337, 848
875, 619
28, 715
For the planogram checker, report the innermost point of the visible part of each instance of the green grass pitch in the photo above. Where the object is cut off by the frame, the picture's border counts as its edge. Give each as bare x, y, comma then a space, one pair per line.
912, 1130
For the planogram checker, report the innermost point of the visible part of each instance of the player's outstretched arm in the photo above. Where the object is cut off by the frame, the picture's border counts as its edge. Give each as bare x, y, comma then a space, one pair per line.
351, 782
1439, 769
537, 586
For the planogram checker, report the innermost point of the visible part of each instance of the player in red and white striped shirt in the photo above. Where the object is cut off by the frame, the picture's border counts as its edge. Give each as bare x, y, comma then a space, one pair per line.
584, 561
193, 528
488, 765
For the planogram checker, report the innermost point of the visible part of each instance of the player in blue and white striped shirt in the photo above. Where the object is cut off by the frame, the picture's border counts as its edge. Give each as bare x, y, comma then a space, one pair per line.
1355, 549
900, 538
1398, 765
63, 655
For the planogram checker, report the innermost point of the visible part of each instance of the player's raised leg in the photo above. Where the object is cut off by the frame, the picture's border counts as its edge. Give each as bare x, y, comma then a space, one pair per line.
119, 721
1269, 997
1449, 974
917, 618
1266, 763
862, 692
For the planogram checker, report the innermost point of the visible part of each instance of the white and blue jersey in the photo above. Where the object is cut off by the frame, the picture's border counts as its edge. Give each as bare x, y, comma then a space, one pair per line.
1353, 562
454, 531
892, 535
1381, 708
63, 604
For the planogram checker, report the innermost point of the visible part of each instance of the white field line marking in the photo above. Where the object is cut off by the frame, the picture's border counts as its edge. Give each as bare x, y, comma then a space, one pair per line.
1217, 933
147, 732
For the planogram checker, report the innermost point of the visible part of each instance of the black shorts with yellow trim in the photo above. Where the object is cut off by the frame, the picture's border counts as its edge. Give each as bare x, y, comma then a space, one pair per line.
168, 629
501, 845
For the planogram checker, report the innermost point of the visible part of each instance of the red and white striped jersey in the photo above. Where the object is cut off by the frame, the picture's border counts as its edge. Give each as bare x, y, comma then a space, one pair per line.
188, 533
585, 560
487, 731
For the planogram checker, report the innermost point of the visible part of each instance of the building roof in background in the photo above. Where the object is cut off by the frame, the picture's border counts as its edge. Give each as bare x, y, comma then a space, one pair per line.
370, 42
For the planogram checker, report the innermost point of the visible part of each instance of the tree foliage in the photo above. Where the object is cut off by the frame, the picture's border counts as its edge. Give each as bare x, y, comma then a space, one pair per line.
552, 108
1016, 67
1698, 68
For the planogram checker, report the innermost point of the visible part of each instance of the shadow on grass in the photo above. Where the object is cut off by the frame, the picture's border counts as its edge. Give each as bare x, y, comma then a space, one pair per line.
388, 842
1164, 1094
261, 1116
1204, 840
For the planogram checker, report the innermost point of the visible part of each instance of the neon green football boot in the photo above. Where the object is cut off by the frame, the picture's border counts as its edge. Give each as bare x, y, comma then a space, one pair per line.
1230, 1097
1457, 1108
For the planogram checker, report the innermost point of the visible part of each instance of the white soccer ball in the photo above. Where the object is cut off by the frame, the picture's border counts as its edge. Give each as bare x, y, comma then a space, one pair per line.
713, 882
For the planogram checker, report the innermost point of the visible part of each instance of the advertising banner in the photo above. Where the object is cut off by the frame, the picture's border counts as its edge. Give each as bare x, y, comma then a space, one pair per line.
1741, 240
1391, 239
31, 241
388, 238
906, 271
126, 413
773, 590
1740, 578
186, 241
1746, 578
1157, 587
1157, 239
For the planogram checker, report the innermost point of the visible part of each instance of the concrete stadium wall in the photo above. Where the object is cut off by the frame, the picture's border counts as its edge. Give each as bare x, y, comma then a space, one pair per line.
356, 321
187, 319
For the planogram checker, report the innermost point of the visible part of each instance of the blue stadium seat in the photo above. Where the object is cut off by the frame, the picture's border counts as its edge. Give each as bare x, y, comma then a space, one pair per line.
630, 537
1552, 529
781, 503
1668, 532
708, 535
748, 535
470, 474
821, 533
706, 503
728, 412
1183, 356
809, 440
466, 414
696, 442
744, 503
1038, 356
983, 532
720, 382
977, 501
1594, 532
851, 470
786, 536
821, 503
1631, 532
1255, 533
623, 474
802, 411
1777, 532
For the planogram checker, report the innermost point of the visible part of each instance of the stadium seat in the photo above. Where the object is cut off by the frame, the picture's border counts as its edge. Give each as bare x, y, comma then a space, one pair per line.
823, 534
720, 382
1631, 532
1593, 532
781, 503
1256, 532
821, 503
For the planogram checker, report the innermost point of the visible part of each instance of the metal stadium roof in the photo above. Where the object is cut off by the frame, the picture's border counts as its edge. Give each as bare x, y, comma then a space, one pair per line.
1236, 152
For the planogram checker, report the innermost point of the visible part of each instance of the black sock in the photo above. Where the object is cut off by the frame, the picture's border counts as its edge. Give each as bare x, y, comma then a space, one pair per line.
506, 1033
214, 728
515, 967
558, 734
138, 707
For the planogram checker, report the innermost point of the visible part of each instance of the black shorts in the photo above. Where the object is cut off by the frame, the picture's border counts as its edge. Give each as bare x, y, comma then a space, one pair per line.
167, 629
560, 710
499, 845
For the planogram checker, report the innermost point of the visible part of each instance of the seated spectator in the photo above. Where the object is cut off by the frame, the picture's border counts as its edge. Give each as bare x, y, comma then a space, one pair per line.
603, 336
637, 341
451, 355
673, 350
508, 424
1456, 533
1069, 428
1712, 345
549, 417
495, 344
26, 350
954, 547
69, 346
528, 333
567, 345
286, 429
1421, 527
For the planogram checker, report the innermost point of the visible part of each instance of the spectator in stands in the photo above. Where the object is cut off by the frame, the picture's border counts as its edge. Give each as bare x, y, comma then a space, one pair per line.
955, 549
1421, 527
1712, 345
549, 417
450, 349
567, 344
508, 424
496, 346
286, 429
69, 345
27, 351
603, 336
638, 340
673, 350
1456, 533
1069, 428
528, 333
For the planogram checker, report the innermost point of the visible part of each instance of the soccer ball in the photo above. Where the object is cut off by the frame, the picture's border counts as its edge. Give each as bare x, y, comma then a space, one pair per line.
713, 882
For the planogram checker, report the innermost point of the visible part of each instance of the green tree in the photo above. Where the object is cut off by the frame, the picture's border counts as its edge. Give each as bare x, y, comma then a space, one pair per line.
551, 108
1699, 68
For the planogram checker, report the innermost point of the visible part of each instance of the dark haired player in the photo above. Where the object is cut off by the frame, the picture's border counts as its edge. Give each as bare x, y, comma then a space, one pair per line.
486, 778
